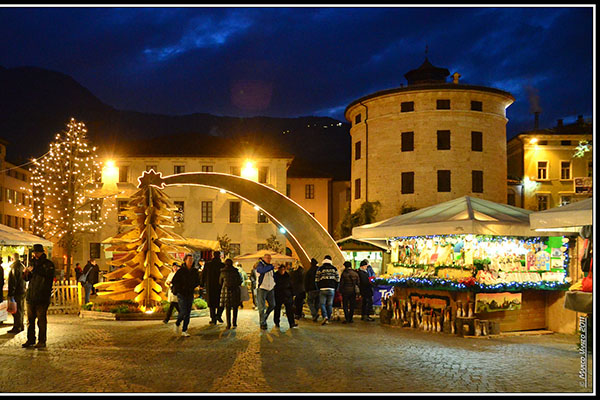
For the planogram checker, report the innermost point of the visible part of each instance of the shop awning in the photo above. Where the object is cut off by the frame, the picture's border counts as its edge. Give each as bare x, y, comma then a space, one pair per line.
574, 215
464, 215
348, 242
14, 237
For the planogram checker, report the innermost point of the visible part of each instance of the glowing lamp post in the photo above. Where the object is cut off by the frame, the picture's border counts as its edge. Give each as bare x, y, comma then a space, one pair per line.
249, 171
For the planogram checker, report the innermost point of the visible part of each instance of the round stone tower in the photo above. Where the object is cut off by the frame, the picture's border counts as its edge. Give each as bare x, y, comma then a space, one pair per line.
428, 142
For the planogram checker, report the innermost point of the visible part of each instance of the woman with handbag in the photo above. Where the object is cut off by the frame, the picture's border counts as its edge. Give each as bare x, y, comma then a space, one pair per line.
349, 287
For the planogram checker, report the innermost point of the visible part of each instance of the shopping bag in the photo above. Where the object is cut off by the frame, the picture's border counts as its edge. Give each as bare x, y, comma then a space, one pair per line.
12, 306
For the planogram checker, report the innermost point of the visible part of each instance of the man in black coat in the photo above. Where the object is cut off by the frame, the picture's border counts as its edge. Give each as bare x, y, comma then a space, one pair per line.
366, 291
16, 291
184, 283
311, 289
283, 297
40, 276
297, 277
210, 282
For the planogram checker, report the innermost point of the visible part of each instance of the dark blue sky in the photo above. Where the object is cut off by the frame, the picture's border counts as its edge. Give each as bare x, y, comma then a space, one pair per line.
298, 61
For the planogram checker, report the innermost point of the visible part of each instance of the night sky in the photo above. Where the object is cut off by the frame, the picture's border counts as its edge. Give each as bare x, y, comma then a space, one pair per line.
296, 61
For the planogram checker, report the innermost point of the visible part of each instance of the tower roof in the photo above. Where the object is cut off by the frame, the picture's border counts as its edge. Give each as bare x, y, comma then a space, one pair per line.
426, 73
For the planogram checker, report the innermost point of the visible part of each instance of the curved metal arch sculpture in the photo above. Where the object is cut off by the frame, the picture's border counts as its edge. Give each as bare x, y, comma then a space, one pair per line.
307, 236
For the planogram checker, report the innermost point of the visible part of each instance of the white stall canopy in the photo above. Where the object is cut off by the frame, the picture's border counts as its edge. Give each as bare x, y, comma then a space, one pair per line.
570, 217
464, 215
14, 237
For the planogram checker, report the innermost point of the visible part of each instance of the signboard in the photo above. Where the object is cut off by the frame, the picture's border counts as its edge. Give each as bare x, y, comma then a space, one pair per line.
380, 292
491, 302
583, 184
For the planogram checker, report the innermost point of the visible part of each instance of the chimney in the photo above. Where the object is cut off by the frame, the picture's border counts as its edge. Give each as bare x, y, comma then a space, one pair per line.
536, 121
559, 123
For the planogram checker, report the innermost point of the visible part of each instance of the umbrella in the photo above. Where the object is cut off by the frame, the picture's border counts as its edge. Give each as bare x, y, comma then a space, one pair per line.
261, 253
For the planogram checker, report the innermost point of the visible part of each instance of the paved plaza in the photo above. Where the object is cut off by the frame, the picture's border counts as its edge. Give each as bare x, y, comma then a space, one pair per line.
87, 355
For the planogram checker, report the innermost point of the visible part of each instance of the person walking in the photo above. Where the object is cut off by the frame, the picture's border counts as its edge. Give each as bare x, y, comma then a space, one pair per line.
40, 275
91, 272
173, 302
253, 279
284, 294
78, 272
366, 291
265, 289
230, 281
244, 296
350, 288
184, 282
327, 279
297, 278
210, 281
311, 289
16, 292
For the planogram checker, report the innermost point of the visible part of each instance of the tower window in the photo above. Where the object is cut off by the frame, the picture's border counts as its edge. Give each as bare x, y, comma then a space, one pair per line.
476, 141
357, 119
408, 182
443, 140
408, 141
357, 150
443, 104
357, 188
407, 106
443, 181
477, 181
476, 106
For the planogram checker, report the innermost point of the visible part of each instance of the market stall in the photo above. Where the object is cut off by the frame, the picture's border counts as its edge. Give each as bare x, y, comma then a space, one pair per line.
376, 251
469, 266
575, 217
16, 241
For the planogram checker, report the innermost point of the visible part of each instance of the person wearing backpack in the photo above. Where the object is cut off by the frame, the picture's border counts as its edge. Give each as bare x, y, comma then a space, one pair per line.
89, 278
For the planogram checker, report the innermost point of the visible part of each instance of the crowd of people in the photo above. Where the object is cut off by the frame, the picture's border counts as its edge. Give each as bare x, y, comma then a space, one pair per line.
221, 284
273, 288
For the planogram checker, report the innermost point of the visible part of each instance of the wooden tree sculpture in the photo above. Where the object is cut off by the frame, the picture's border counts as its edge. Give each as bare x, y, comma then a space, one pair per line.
147, 244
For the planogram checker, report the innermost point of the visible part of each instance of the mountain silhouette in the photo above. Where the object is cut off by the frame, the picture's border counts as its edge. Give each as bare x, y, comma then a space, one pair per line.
36, 104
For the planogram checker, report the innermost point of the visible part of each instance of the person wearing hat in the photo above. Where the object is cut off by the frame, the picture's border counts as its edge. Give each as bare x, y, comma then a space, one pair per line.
40, 275
349, 286
327, 280
366, 291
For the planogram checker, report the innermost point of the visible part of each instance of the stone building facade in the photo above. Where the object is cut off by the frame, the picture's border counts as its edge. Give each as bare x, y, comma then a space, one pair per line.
545, 169
428, 142
15, 193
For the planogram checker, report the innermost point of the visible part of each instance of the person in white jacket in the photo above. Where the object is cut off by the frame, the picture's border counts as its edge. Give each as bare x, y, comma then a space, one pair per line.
170, 296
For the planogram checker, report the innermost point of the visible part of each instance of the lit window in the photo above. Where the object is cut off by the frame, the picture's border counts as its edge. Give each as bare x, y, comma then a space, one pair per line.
207, 168
262, 218
179, 169
542, 170
565, 170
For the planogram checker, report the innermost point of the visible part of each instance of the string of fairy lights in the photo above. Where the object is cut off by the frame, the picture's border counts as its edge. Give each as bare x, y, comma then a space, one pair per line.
61, 185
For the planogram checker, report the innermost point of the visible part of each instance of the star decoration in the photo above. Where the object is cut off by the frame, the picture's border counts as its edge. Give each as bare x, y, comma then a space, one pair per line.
151, 178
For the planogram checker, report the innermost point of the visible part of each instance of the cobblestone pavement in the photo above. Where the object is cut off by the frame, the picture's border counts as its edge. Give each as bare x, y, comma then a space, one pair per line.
86, 355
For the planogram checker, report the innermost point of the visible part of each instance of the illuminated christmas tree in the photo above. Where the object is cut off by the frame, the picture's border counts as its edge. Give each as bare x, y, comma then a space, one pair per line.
62, 183
146, 242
